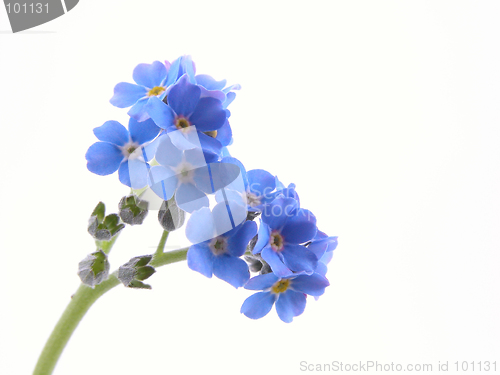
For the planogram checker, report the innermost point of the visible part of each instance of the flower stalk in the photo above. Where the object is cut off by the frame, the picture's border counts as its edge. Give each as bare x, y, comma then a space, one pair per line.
81, 302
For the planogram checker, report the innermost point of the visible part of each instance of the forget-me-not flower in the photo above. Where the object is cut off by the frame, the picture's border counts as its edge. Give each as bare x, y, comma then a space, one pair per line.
289, 295
120, 150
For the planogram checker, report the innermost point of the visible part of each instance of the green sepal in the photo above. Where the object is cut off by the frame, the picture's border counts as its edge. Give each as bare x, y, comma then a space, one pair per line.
135, 270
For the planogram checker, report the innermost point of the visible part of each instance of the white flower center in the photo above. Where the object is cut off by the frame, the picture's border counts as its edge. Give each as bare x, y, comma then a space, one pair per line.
131, 150
185, 172
218, 246
251, 199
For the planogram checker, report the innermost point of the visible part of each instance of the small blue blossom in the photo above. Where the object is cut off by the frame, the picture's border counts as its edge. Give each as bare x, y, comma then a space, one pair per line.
121, 150
185, 108
179, 172
284, 227
220, 255
289, 295
322, 246
152, 80
259, 189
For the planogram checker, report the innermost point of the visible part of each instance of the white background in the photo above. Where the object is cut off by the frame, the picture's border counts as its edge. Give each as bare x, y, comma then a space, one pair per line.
384, 114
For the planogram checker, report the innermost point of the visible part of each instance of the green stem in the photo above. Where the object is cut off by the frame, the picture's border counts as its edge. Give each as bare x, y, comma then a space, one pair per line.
80, 303
161, 244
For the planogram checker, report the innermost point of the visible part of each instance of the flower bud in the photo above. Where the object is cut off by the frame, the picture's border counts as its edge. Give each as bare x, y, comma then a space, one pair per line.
132, 273
94, 269
132, 210
170, 216
101, 227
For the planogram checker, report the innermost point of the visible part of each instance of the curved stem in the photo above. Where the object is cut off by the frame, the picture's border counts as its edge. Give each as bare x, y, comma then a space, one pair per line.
81, 302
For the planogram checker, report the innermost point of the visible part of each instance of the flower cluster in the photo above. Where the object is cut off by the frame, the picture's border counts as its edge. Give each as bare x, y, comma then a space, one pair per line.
176, 146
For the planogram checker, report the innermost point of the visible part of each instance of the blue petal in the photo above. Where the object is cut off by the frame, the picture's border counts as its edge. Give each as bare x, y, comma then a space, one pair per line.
276, 214
136, 173
314, 285
160, 112
188, 67
150, 75
225, 134
173, 72
261, 182
262, 282
227, 217
230, 96
231, 195
219, 95
163, 181
142, 132
189, 198
239, 240
209, 83
318, 248
258, 305
289, 305
200, 259
229, 159
183, 97
195, 157
321, 269
300, 228
103, 158
167, 153
138, 110
200, 226
232, 270
112, 132
126, 94
276, 262
209, 144
332, 243
208, 115
299, 259
327, 257
263, 239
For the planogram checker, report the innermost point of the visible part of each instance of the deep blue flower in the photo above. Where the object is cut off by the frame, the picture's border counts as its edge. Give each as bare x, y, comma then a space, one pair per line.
220, 254
152, 80
284, 227
121, 149
187, 110
289, 294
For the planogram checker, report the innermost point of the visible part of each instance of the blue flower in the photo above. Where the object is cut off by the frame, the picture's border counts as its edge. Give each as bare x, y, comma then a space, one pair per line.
259, 189
121, 150
179, 172
186, 110
221, 254
322, 246
289, 294
152, 80
284, 227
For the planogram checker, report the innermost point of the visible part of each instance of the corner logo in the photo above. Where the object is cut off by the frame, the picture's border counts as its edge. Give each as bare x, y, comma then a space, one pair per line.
25, 14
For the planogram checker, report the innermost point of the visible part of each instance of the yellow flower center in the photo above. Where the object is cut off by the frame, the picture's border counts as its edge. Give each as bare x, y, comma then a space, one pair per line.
155, 91
276, 241
280, 286
212, 133
182, 123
